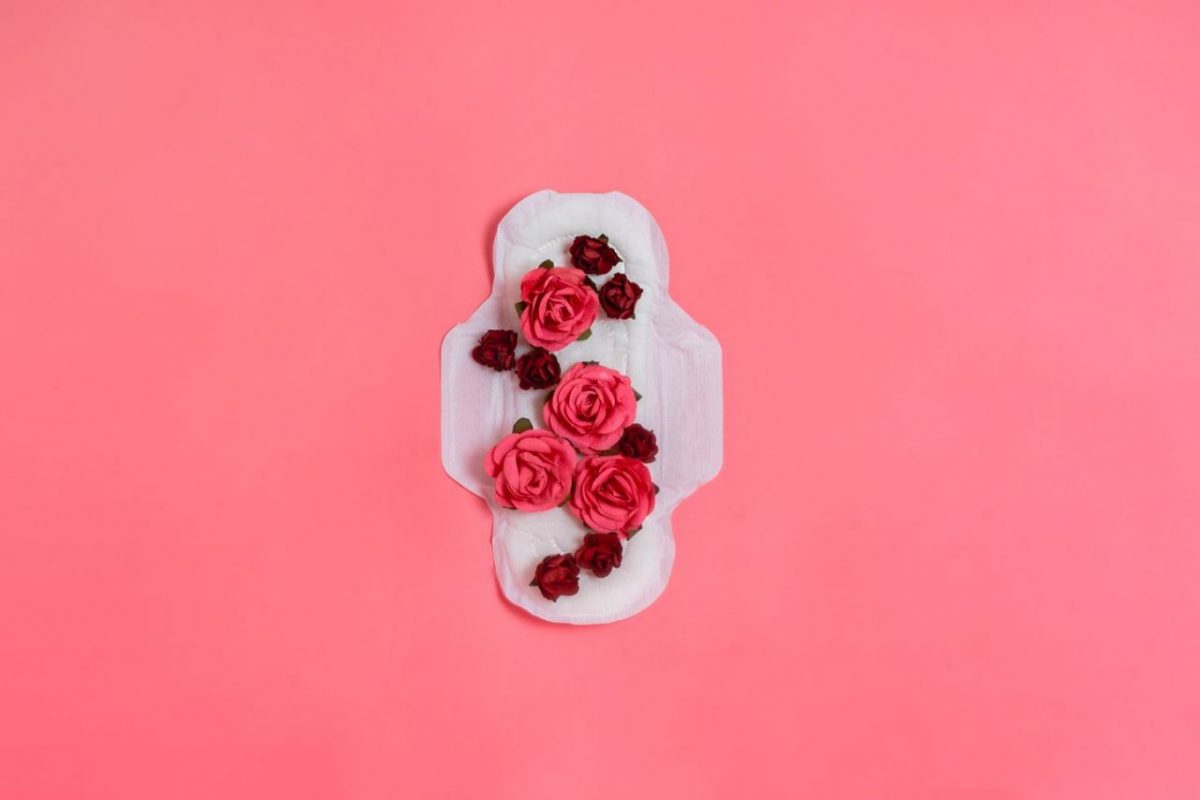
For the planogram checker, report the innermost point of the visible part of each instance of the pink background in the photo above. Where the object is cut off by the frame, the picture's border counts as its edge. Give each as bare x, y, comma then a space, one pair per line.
952, 256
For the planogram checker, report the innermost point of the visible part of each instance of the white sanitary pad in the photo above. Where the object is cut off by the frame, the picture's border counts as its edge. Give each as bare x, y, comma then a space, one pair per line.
673, 361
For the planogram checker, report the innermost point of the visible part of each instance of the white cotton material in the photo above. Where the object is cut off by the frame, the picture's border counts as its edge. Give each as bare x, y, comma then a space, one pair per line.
673, 361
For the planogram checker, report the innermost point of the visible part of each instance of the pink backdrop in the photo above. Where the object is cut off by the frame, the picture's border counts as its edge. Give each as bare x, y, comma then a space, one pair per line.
952, 256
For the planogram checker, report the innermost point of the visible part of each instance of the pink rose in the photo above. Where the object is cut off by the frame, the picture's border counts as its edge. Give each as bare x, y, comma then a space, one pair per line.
532, 470
613, 494
591, 407
558, 306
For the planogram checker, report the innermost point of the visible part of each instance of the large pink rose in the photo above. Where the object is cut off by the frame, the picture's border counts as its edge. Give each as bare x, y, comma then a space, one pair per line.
591, 407
613, 494
559, 306
532, 470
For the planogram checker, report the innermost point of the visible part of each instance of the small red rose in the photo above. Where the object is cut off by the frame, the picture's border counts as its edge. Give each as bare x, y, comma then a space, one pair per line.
593, 255
638, 442
600, 553
619, 297
557, 576
496, 349
538, 369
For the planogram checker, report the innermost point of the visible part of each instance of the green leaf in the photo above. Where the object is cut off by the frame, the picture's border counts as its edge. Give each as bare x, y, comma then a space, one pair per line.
632, 533
547, 264
603, 237
637, 395
590, 363
522, 425
583, 337
521, 306
549, 394
612, 451
655, 485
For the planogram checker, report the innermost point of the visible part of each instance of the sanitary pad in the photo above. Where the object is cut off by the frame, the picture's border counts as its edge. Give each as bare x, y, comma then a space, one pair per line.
674, 363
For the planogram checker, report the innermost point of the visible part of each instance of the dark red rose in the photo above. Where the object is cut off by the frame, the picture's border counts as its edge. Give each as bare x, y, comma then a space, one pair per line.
593, 256
557, 576
638, 442
538, 369
619, 297
600, 553
496, 349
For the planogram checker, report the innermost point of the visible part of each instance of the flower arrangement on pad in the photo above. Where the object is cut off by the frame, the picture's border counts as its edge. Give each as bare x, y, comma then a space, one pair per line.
591, 455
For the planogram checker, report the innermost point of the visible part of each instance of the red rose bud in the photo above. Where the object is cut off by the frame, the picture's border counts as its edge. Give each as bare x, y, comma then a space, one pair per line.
593, 256
600, 553
538, 369
619, 297
557, 576
496, 349
638, 442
